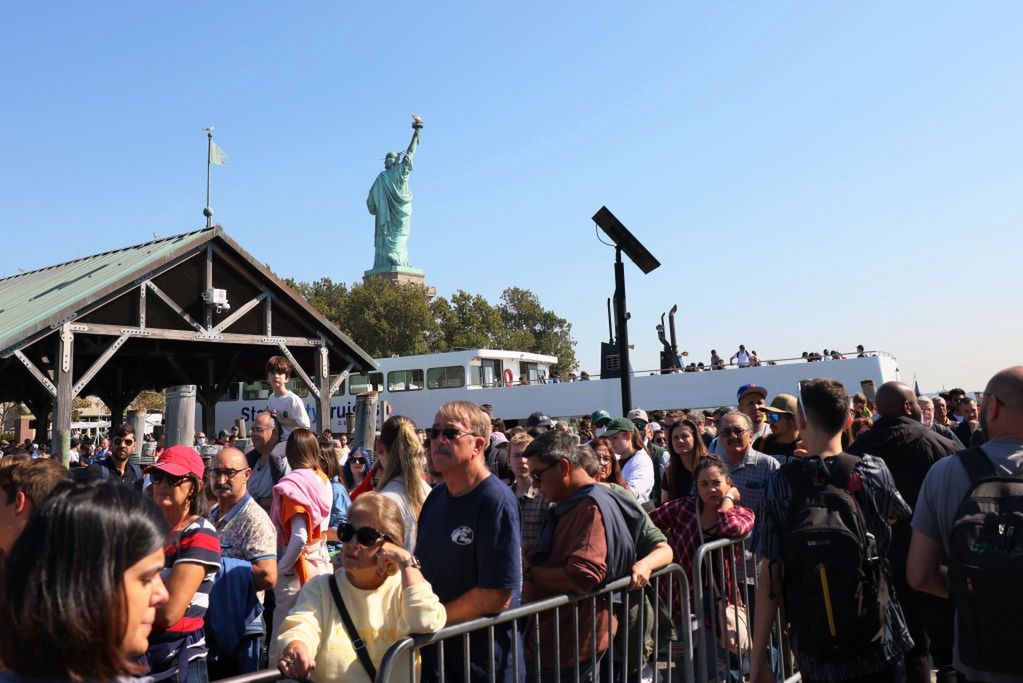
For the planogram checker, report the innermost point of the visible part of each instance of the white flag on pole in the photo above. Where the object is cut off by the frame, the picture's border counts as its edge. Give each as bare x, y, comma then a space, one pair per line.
217, 155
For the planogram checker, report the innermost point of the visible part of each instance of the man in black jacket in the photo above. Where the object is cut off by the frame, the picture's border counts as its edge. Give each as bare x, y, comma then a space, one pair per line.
909, 448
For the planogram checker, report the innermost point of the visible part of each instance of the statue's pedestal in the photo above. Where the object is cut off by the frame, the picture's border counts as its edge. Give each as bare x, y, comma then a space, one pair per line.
398, 275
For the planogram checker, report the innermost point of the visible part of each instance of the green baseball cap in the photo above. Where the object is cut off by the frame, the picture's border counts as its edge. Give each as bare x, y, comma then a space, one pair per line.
619, 424
600, 416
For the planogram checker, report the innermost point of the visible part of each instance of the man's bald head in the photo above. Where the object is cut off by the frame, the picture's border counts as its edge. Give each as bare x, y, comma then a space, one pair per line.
896, 398
231, 458
1001, 413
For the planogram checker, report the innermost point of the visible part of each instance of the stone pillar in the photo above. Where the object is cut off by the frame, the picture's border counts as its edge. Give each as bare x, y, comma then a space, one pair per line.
365, 433
179, 419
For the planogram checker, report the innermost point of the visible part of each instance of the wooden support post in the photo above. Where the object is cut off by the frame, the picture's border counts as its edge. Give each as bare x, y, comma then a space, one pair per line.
323, 379
61, 434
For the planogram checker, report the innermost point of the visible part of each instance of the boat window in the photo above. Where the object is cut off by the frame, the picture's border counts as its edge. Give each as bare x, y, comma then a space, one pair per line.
530, 370
405, 380
255, 391
340, 388
298, 387
358, 384
451, 377
491, 370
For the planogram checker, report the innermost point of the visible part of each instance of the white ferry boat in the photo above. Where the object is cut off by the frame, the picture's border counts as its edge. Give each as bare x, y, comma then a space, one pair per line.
416, 386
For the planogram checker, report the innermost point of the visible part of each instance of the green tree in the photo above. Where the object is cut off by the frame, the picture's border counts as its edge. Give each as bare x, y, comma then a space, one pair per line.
150, 401
468, 321
388, 319
525, 318
326, 296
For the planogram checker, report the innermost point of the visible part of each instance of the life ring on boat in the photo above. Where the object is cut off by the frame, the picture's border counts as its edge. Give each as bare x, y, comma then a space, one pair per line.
509, 377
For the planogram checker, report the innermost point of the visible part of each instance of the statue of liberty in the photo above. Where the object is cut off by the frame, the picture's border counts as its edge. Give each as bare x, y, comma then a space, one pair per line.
391, 202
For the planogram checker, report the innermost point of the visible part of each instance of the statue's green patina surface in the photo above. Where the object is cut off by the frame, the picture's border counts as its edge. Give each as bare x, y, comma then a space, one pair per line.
390, 201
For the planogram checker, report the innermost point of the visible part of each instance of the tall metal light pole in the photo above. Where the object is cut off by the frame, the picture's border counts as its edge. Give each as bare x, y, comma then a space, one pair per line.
638, 254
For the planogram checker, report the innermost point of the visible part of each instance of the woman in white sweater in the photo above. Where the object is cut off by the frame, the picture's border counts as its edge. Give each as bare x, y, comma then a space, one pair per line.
381, 586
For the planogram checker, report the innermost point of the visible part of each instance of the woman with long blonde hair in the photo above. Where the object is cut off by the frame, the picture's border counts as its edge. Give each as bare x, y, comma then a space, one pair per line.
401, 475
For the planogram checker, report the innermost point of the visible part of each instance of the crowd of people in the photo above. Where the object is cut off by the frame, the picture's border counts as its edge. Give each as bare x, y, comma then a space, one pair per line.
884, 526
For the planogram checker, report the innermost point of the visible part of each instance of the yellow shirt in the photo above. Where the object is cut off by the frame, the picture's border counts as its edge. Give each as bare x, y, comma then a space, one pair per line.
381, 616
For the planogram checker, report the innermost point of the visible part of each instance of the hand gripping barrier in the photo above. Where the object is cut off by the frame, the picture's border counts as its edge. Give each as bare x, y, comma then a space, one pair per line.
725, 572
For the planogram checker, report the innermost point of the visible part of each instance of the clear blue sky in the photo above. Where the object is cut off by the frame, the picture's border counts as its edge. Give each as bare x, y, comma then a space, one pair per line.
810, 175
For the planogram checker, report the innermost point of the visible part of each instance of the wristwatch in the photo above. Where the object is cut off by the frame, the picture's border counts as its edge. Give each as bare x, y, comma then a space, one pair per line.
412, 561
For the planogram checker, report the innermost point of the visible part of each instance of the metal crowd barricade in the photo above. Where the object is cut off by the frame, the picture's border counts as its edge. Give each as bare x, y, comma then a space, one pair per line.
677, 667
673, 664
716, 663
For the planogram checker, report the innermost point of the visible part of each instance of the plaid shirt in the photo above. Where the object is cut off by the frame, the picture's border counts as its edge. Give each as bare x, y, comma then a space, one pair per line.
680, 522
533, 511
879, 501
750, 477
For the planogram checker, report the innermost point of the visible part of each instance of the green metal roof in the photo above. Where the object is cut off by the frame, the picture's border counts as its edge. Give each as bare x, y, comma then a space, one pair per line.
39, 299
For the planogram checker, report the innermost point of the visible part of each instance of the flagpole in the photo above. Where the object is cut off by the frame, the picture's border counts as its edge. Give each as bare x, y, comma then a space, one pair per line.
208, 211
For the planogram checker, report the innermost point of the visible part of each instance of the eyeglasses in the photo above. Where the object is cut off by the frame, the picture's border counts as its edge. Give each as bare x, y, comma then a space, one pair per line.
159, 477
733, 431
367, 536
261, 430
358, 461
218, 472
449, 433
127, 442
537, 476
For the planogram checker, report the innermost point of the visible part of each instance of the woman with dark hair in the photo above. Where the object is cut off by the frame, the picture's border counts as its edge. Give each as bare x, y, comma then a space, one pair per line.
356, 467
177, 645
381, 587
711, 514
301, 506
609, 471
81, 586
401, 472
686, 449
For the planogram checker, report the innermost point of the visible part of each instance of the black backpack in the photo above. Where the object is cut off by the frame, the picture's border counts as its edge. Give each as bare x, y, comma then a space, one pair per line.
985, 565
836, 586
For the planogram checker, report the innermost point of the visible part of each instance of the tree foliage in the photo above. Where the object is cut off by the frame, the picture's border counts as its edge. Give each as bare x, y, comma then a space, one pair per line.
387, 319
150, 401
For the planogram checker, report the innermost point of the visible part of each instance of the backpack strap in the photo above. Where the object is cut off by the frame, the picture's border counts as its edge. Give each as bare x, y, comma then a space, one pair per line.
841, 469
977, 465
358, 643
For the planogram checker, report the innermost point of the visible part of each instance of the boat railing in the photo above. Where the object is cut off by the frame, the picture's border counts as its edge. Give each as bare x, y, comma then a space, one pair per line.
732, 365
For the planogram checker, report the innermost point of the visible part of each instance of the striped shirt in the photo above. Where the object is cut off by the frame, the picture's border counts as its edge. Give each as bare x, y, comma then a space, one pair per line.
879, 501
199, 544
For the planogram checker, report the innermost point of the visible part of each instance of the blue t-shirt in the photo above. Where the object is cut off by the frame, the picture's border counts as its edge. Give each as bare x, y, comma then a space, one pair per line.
472, 541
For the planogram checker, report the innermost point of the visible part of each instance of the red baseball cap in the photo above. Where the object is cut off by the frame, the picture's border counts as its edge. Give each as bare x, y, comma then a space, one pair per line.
179, 460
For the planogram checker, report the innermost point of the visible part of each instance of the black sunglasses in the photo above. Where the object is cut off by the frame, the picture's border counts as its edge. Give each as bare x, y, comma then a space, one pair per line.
449, 433
358, 461
366, 536
159, 476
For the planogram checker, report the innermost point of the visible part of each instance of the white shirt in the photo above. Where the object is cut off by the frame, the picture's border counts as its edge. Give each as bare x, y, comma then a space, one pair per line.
638, 474
288, 407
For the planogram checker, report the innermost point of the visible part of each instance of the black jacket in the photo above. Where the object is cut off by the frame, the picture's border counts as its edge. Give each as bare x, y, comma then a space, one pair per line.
909, 449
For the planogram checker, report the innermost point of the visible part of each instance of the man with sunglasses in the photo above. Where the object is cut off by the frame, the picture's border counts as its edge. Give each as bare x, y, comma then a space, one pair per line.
584, 544
469, 542
783, 441
116, 465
